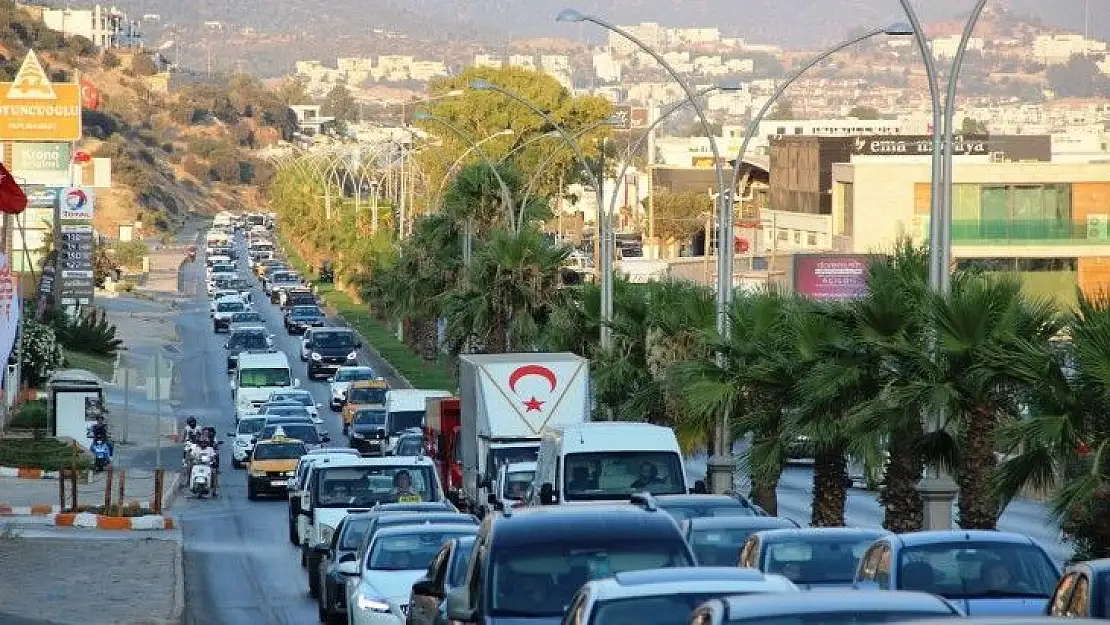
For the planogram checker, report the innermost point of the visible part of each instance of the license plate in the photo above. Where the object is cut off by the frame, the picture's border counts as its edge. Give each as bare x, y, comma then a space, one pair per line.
278, 483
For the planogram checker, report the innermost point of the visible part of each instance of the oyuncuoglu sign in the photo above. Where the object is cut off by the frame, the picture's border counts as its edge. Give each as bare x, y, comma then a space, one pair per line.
34, 109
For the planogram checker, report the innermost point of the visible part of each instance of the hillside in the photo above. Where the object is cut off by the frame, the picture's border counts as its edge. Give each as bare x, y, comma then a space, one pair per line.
173, 153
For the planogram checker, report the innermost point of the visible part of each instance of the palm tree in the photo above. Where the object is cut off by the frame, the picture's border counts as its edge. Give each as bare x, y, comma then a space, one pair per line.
755, 387
512, 282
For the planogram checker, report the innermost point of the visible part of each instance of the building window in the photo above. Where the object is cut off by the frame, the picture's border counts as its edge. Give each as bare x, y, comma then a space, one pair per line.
1012, 212
781, 130
797, 238
1024, 265
811, 239
783, 235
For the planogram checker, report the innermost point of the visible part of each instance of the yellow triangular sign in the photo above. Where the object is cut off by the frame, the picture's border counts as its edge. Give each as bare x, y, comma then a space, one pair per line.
31, 83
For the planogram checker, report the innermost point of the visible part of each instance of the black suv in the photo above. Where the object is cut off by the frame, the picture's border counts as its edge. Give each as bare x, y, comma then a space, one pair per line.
540, 556
330, 349
248, 339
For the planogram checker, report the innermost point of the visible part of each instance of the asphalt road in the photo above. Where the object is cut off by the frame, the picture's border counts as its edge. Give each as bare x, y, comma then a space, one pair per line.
239, 565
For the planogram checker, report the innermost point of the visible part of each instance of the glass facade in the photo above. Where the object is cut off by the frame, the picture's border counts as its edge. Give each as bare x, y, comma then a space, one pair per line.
1021, 213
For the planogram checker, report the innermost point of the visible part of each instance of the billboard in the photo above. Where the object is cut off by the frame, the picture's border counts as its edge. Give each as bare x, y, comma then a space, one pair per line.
917, 145
830, 276
41, 163
34, 109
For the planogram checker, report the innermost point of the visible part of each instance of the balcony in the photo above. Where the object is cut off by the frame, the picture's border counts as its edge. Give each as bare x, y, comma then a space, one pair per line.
1091, 231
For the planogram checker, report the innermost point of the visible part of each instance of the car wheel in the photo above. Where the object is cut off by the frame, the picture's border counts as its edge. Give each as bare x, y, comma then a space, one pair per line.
313, 577
293, 538
337, 407
252, 494
322, 612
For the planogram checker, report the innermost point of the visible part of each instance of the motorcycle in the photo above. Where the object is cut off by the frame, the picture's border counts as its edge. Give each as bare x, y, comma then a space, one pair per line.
102, 454
191, 253
200, 473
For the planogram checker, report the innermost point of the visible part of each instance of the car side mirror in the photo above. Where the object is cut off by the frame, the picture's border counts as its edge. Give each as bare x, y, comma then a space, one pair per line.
325, 438
425, 588
297, 383
322, 548
348, 568
547, 494
458, 606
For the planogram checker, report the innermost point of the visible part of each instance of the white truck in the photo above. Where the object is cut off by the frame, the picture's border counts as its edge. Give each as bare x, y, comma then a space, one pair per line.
506, 401
405, 409
257, 376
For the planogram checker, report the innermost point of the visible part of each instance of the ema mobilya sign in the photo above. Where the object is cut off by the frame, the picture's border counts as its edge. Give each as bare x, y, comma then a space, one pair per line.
917, 145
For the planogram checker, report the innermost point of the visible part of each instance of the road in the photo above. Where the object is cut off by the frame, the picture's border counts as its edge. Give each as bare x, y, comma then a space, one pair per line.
240, 567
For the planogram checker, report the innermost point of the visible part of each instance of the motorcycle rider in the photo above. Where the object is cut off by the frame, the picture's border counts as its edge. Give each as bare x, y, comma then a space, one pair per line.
189, 434
99, 431
208, 445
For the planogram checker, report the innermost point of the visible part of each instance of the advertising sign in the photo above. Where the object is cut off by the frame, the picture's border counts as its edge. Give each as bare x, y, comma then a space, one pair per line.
9, 308
43, 197
621, 118
917, 145
33, 109
75, 262
77, 204
45, 291
40, 157
831, 276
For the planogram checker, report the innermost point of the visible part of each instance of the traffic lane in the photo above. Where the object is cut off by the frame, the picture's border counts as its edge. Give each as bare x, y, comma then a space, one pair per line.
1022, 516
239, 565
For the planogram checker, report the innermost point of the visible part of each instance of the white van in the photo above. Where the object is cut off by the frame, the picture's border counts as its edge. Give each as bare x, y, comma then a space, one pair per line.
605, 462
406, 408
256, 377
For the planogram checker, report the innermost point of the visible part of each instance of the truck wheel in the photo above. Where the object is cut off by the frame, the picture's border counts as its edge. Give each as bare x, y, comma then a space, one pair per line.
293, 531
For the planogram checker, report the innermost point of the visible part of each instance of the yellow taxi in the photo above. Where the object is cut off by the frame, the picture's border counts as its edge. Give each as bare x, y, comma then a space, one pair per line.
271, 465
363, 394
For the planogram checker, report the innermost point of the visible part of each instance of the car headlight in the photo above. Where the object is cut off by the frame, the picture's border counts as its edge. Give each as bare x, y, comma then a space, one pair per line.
356, 434
372, 603
352, 356
316, 356
258, 472
326, 532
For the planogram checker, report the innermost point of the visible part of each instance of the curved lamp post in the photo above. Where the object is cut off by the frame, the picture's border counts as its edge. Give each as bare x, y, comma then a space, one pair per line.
450, 170
669, 110
606, 260
530, 186
938, 490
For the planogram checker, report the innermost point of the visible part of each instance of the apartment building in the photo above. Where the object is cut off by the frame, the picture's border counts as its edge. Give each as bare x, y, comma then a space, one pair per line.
1058, 49
106, 27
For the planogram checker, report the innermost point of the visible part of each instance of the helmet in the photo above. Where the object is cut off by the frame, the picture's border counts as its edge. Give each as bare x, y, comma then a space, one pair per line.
191, 422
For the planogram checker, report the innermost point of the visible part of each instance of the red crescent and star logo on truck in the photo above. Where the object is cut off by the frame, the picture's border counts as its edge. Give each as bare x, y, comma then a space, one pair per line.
532, 404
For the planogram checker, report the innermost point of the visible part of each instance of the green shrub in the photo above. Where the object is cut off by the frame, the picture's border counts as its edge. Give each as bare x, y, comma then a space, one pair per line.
31, 415
89, 332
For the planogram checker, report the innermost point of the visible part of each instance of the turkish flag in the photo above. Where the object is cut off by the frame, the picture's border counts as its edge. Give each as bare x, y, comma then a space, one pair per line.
13, 200
90, 95
81, 157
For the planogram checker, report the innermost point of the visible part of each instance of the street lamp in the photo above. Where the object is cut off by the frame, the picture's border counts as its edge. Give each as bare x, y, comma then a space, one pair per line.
574, 16
721, 462
443, 182
938, 490
506, 194
530, 186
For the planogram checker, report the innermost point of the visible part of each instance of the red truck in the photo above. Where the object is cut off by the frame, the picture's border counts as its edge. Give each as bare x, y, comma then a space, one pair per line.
441, 429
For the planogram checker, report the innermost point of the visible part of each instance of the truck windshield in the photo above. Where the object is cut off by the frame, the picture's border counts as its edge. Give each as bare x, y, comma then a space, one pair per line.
606, 475
365, 395
342, 487
263, 378
510, 455
517, 483
401, 420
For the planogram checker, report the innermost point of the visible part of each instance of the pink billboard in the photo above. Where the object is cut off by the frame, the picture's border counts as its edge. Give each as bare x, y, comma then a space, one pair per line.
830, 276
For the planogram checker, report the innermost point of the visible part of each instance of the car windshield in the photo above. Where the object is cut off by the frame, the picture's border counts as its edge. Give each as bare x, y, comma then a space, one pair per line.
618, 474
305, 312
663, 609
539, 579
409, 446
230, 307
223, 268
246, 317
279, 451
510, 455
977, 569
285, 411
262, 378
370, 417
351, 374
369, 485
517, 483
696, 510
408, 552
350, 539
825, 560
250, 426
460, 557
248, 340
333, 340
367, 395
304, 399
719, 547
841, 618
302, 432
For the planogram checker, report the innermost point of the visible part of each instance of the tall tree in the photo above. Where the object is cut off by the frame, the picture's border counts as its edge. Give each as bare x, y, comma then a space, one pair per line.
865, 112
340, 104
678, 216
784, 110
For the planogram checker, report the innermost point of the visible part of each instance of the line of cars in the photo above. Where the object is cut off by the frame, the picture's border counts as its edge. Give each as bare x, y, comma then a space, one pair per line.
383, 543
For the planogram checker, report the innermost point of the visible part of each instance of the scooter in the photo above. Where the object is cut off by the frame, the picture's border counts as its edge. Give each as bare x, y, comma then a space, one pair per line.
102, 454
200, 475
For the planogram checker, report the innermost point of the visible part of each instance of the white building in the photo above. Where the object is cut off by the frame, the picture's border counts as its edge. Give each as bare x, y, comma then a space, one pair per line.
353, 64
555, 63
1058, 49
427, 70
487, 60
526, 61
652, 34
693, 36
606, 68
105, 27
945, 47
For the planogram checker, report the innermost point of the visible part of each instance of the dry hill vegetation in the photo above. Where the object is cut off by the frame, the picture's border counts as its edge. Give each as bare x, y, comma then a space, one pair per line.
173, 150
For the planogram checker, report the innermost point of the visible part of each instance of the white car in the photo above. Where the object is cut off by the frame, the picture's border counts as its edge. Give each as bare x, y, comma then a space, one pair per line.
210, 284
224, 308
301, 396
340, 383
219, 295
666, 595
243, 443
379, 586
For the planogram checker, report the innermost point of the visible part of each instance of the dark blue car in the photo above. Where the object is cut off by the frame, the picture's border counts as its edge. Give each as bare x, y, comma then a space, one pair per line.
814, 557
984, 573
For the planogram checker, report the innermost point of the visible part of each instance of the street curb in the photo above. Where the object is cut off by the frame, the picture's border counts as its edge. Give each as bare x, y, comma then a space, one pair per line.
172, 491
151, 522
39, 510
178, 612
28, 473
